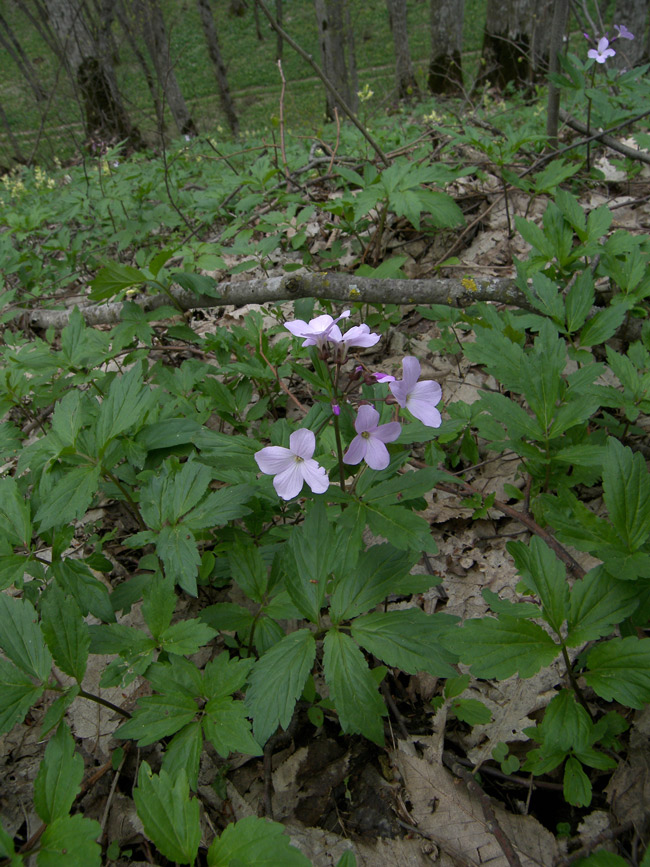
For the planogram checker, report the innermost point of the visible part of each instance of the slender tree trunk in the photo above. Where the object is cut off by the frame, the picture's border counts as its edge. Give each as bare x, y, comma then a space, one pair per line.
558, 32
149, 18
407, 86
445, 67
516, 40
334, 40
17, 155
144, 66
210, 32
256, 16
631, 52
13, 47
90, 69
280, 41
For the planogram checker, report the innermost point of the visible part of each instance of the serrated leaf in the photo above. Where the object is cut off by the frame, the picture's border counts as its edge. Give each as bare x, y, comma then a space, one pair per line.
18, 692
378, 572
308, 562
185, 637
59, 777
89, 593
226, 726
404, 528
113, 278
169, 816
545, 574
119, 638
227, 617
597, 604
602, 325
15, 523
407, 639
21, 637
68, 417
352, 687
199, 284
222, 676
248, 568
499, 648
121, 408
65, 632
158, 605
176, 547
471, 711
184, 752
158, 716
577, 787
219, 507
255, 843
70, 840
69, 498
619, 670
57, 710
276, 682
626, 485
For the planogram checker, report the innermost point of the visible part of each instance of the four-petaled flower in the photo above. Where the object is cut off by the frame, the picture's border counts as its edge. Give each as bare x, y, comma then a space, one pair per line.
603, 51
293, 466
623, 32
369, 443
420, 398
317, 331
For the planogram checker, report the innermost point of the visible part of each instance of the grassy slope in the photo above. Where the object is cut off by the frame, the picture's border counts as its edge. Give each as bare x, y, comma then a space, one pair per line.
251, 66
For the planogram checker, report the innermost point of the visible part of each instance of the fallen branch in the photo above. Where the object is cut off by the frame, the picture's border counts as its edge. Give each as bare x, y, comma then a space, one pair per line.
345, 288
614, 144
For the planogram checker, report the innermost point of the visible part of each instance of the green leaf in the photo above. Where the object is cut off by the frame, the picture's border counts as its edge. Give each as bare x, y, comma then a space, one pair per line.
227, 617
70, 840
122, 407
619, 670
68, 418
112, 279
378, 572
199, 284
598, 603
185, 637
455, 686
8, 851
608, 859
308, 561
602, 326
170, 818
57, 710
406, 530
219, 507
176, 547
65, 632
577, 787
158, 716
222, 676
119, 638
15, 523
59, 777
352, 687
184, 752
158, 605
499, 648
69, 498
347, 859
276, 682
248, 568
471, 711
18, 695
408, 639
89, 593
225, 725
626, 485
255, 843
21, 637
546, 576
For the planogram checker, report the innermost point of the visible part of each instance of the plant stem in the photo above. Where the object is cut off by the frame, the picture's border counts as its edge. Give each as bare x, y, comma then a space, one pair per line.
574, 683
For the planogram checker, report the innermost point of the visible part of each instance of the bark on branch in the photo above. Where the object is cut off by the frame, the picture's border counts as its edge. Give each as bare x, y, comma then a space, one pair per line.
345, 288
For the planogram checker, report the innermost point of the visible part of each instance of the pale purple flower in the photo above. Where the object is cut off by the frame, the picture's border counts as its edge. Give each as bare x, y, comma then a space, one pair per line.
336, 409
358, 335
603, 51
317, 331
420, 398
383, 377
293, 466
369, 445
623, 32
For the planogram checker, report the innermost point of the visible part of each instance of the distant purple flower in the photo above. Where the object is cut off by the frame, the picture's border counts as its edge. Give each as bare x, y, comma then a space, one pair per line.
369, 445
293, 466
317, 331
336, 409
420, 398
603, 51
383, 377
623, 32
358, 335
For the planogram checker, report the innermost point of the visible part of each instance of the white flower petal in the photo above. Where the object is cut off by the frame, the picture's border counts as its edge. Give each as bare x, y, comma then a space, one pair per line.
315, 476
377, 456
274, 459
303, 443
367, 419
288, 484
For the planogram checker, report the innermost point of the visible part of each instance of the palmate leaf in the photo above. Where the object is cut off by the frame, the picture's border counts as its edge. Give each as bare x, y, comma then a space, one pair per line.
176, 547
65, 631
226, 726
408, 639
619, 670
598, 603
68, 498
277, 681
158, 716
499, 648
352, 687
59, 777
124, 405
21, 637
255, 843
404, 528
169, 816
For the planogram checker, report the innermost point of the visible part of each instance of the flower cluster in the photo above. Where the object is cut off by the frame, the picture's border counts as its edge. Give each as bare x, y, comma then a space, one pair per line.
603, 50
293, 466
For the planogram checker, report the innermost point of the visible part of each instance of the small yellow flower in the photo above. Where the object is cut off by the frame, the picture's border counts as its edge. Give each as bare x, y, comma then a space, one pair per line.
469, 283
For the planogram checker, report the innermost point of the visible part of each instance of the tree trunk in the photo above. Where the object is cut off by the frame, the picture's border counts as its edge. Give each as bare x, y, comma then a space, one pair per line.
339, 69
446, 66
13, 47
516, 40
18, 155
91, 71
144, 66
407, 86
280, 42
217, 62
631, 52
151, 23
